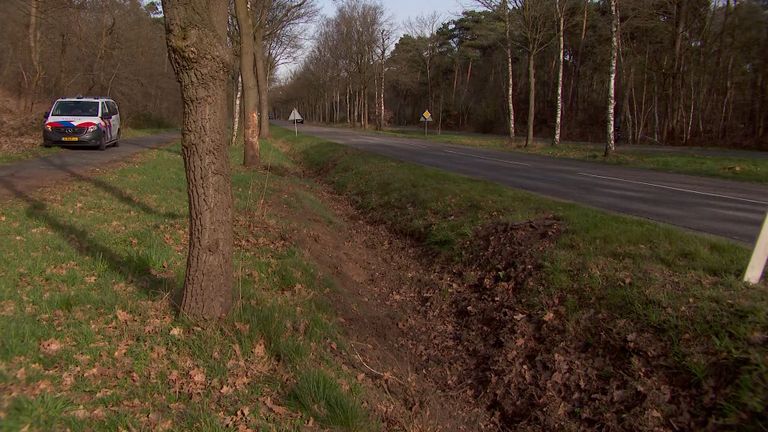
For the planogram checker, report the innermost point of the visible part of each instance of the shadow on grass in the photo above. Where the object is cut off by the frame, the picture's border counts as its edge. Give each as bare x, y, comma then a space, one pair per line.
133, 268
119, 194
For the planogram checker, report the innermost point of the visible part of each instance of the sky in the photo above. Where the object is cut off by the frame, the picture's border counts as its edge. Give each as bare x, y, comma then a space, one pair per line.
401, 10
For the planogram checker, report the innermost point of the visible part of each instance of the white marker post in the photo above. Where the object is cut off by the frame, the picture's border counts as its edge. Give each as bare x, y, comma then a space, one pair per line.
295, 117
759, 256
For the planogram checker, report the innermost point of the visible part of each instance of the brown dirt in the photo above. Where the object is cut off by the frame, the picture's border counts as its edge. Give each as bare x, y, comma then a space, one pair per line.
481, 344
379, 309
423, 332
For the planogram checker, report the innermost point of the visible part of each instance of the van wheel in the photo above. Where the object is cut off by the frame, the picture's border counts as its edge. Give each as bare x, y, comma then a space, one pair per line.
47, 144
103, 144
117, 140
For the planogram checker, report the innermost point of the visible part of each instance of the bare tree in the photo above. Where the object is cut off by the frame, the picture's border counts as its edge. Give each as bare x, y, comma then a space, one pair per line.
560, 14
532, 18
385, 40
260, 64
610, 143
503, 10
274, 19
425, 27
196, 33
250, 84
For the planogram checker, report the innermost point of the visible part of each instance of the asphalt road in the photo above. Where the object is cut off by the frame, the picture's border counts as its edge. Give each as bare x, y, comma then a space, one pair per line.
25, 176
730, 209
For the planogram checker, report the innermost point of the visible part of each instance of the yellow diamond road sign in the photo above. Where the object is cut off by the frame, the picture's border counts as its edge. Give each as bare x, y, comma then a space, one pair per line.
427, 115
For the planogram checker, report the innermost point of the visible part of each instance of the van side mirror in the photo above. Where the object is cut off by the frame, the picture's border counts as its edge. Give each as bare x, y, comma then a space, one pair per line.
106, 117
45, 116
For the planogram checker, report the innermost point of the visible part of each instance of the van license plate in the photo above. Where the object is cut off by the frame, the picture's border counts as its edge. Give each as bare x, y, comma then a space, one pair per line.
69, 139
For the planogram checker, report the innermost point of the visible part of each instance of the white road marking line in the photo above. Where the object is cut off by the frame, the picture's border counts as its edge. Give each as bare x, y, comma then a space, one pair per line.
676, 189
487, 158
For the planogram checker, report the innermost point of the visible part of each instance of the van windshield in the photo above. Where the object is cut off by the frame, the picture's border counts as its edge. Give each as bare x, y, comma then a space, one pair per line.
76, 109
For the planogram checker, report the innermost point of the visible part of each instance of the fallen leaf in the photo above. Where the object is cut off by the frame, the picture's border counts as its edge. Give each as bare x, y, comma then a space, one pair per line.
277, 409
50, 346
197, 375
80, 413
123, 316
176, 331
242, 327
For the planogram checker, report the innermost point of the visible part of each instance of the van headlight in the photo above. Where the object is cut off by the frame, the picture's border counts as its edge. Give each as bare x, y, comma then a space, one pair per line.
91, 129
48, 128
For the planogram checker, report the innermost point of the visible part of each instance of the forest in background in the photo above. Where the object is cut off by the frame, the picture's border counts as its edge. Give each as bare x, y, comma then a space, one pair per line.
116, 48
689, 72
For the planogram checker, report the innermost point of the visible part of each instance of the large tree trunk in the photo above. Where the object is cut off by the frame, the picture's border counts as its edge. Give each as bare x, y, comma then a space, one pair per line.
610, 143
561, 48
261, 73
250, 86
531, 97
196, 34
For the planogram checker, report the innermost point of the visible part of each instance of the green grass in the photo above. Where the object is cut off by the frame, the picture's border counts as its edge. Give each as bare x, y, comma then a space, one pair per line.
134, 133
733, 168
642, 276
90, 341
40, 151
28, 153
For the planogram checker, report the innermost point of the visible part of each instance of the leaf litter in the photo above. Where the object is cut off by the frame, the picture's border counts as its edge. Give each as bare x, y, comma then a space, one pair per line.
479, 343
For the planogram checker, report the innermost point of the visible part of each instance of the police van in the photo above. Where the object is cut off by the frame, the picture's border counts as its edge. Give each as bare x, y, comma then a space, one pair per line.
82, 121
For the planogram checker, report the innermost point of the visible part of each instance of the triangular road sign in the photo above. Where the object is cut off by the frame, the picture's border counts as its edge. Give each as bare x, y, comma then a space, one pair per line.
295, 115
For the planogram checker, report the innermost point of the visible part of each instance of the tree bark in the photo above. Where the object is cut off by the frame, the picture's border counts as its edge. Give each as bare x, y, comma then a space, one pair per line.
250, 87
196, 34
261, 72
510, 76
236, 109
610, 143
560, 51
34, 51
531, 97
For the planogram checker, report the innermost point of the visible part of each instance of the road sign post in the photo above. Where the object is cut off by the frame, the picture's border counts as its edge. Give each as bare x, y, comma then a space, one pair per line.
759, 256
427, 119
295, 117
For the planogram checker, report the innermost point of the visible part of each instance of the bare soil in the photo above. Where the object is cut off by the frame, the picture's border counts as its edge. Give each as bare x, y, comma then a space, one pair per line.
379, 309
480, 343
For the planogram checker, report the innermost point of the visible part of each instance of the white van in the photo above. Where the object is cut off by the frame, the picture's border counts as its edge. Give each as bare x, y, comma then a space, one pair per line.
86, 121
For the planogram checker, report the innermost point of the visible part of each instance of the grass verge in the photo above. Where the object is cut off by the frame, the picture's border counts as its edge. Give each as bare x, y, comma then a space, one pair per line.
733, 168
91, 342
32, 148
134, 133
28, 153
610, 274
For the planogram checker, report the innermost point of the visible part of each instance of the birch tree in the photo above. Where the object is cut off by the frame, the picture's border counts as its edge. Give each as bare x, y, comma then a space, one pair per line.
560, 15
503, 11
610, 143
